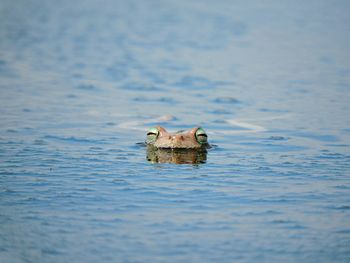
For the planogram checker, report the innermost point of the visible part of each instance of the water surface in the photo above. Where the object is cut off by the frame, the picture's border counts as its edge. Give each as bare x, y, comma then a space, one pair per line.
80, 84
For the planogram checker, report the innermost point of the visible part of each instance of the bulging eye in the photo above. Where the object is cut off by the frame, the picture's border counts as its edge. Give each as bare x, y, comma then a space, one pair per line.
152, 135
201, 136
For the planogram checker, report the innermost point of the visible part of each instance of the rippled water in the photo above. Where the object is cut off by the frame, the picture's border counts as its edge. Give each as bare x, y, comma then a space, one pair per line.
80, 84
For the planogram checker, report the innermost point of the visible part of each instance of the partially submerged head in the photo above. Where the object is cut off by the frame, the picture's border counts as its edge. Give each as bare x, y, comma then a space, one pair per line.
195, 138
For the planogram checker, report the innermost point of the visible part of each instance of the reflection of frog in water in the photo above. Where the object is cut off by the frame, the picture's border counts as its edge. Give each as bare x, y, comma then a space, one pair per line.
178, 156
181, 147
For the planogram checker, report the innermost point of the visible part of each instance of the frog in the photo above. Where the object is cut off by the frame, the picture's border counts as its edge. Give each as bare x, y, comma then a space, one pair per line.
195, 138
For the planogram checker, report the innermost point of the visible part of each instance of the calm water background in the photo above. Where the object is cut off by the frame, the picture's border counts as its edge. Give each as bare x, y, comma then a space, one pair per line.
75, 187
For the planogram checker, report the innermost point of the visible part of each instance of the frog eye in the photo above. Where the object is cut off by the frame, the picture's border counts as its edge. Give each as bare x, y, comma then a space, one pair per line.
201, 136
152, 135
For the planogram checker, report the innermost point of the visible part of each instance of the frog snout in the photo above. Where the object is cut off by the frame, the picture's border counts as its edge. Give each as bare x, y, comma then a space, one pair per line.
176, 138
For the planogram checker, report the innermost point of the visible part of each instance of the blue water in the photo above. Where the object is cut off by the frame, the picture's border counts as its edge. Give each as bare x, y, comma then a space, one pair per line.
82, 81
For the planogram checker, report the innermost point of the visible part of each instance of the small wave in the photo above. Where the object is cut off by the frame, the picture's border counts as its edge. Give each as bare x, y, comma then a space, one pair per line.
73, 139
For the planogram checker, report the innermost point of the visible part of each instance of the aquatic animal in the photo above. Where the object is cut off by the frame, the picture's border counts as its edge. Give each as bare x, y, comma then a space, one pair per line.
194, 138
